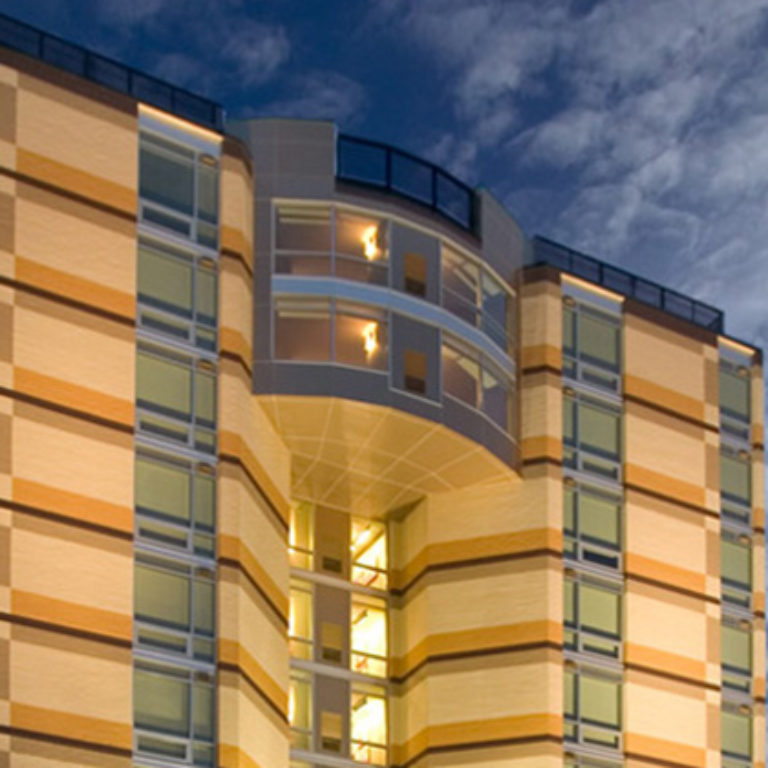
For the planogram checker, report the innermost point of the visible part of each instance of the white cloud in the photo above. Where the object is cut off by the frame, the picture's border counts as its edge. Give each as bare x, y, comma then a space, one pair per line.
256, 50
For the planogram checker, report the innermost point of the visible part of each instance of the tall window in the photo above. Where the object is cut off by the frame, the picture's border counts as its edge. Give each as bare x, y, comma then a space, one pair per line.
300, 535
300, 709
301, 620
735, 406
736, 654
369, 635
592, 708
591, 345
736, 736
736, 484
369, 553
592, 613
592, 526
591, 436
368, 724
736, 568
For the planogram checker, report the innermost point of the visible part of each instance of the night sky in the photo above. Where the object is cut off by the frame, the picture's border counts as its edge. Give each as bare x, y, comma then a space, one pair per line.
635, 130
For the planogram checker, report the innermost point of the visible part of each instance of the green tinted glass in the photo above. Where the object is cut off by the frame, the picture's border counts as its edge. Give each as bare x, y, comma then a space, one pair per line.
599, 700
204, 606
735, 562
205, 398
166, 174
165, 280
734, 394
736, 736
569, 693
164, 384
206, 295
569, 602
599, 609
161, 596
736, 647
598, 340
599, 518
202, 697
599, 429
205, 501
160, 702
569, 420
735, 477
208, 192
569, 328
162, 488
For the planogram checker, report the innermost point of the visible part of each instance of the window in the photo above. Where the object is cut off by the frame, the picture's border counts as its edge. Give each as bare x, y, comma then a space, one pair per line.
331, 727
592, 613
360, 335
369, 724
735, 412
461, 373
175, 503
369, 635
300, 709
303, 330
736, 733
362, 248
177, 294
176, 397
369, 553
496, 401
736, 484
174, 607
303, 240
461, 285
579, 761
415, 371
736, 654
301, 620
415, 269
300, 535
592, 708
495, 310
591, 436
179, 189
592, 526
591, 345
173, 712
736, 568
331, 642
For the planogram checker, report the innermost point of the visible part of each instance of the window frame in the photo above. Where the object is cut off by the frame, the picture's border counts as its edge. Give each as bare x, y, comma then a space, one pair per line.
582, 548
584, 458
584, 731
585, 639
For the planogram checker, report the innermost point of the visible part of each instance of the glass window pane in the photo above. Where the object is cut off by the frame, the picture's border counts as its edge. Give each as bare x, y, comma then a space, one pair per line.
369, 717
734, 394
736, 647
202, 697
164, 385
361, 236
300, 620
598, 341
599, 518
599, 609
735, 477
495, 302
598, 430
361, 337
569, 513
161, 596
461, 376
204, 606
300, 703
165, 280
599, 700
208, 192
569, 331
162, 488
205, 398
736, 736
496, 398
461, 282
303, 331
569, 605
166, 174
303, 229
569, 420
735, 565
206, 295
569, 693
160, 702
205, 501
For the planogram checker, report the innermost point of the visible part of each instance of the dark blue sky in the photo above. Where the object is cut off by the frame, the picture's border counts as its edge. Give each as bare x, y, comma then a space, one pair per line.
634, 130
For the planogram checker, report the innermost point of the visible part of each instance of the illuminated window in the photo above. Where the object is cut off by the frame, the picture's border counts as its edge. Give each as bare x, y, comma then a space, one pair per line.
591, 526
736, 654
592, 613
592, 708
300, 620
361, 337
175, 503
300, 536
331, 731
369, 635
369, 724
591, 345
369, 553
362, 248
591, 436
300, 709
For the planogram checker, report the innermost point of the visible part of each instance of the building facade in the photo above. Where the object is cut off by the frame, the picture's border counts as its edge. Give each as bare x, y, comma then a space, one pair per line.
311, 458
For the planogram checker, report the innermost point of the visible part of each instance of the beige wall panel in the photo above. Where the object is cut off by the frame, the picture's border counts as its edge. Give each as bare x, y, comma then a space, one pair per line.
541, 421
542, 325
102, 685
70, 455
532, 755
668, 454
662, 357
37, 753
665, 532
236, 308
77, 131
86, 569
409, 535
109, 260
758, 403
64, 344
250, 734
237, 204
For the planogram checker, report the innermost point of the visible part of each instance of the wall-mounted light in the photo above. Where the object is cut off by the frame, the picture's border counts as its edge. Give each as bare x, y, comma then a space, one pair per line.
370, 338
370, 242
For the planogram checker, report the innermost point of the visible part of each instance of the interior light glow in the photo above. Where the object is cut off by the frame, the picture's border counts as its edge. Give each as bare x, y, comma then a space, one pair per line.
370, 246
292, 704
370, 338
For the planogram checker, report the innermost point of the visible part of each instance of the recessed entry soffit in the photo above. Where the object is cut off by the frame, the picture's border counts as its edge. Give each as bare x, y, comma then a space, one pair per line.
369, 458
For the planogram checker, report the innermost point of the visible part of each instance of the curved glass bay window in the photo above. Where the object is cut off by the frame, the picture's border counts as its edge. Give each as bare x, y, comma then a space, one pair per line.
174, 607
591, 345
173, 713
177, 293
592, 707
176, 397
175, 503
592, 615
179, 189
368, 724
591, 436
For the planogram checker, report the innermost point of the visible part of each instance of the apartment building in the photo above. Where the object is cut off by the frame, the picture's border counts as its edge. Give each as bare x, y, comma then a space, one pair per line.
311, 458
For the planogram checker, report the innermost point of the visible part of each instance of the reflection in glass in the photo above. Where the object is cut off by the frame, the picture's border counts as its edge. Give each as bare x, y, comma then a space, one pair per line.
369, 635
369, 553
368, 724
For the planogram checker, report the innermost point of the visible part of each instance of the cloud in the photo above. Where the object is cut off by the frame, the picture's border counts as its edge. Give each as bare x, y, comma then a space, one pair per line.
255, 50
323, 96
130, 11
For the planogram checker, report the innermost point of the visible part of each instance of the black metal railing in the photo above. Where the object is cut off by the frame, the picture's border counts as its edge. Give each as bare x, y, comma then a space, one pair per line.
547, 251
378, 165
104, 71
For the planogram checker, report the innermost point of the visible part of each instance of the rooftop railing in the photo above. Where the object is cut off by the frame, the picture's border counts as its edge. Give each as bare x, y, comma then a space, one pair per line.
549, 252
378, 165
104, 71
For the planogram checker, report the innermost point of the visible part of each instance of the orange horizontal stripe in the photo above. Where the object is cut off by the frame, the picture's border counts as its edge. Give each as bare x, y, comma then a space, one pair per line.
540, 355
663, 661
231, 652
665, 485
664, 397
234, 757
231, 340
233, 239
464, 641
479, 732
72, 505
77, 288
665, 751
660, 571
71, 615
73, 396
54, 723
234, 445
478, 548
540, 446
233, 548
75, 180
